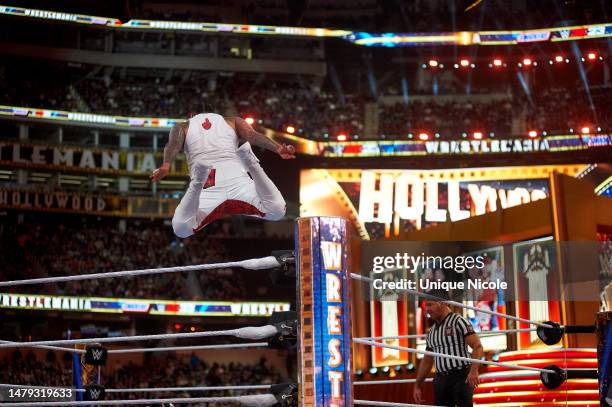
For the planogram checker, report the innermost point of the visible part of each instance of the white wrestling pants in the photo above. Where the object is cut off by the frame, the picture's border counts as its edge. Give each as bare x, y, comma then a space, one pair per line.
228, 191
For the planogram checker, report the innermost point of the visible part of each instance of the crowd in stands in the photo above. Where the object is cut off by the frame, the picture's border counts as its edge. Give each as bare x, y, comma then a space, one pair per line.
31, 250
21, 86
17, 368
168, 370
555, 110
449, 118
558, 108
315, 109
177, 371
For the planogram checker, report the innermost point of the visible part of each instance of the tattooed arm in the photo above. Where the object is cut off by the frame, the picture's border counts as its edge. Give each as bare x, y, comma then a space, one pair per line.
176, 140
247, 133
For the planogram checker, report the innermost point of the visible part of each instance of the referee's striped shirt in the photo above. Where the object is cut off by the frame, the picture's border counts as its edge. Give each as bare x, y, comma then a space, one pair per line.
448, 337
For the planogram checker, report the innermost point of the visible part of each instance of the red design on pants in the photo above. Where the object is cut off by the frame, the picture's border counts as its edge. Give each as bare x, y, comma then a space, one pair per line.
210, 181
229, 207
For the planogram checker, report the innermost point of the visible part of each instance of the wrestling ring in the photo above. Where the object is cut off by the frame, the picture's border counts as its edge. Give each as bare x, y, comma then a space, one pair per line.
319, 330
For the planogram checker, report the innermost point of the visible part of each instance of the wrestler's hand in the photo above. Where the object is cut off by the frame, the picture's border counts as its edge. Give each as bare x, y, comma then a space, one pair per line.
417, 394
472, 378
161, 172
286, 151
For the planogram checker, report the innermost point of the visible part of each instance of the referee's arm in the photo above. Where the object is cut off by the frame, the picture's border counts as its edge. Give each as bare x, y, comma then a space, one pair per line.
424, 369
473, 341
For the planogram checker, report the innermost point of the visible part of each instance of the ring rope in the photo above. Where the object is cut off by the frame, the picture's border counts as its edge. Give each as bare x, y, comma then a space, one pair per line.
196, 347
250, 264
386, 404
150, 389
426, 352
249, 332
458, 304
390, 381
194, 388
487, 333
48, 347
160, 349
257, 400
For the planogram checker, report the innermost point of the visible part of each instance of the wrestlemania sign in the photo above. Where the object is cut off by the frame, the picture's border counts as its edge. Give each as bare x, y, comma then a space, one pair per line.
325, 312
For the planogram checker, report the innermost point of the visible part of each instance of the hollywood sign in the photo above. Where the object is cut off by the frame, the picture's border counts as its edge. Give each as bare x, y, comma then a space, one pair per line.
410, 198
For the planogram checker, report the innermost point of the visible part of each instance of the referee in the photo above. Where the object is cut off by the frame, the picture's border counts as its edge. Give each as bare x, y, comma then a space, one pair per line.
450, 334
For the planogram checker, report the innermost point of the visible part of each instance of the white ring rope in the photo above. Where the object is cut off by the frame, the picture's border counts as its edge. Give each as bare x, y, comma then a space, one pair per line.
455, 303
158, 349
386, 404
195, 388
250, 264
426, 352
487, 333
390, 381
258, 400
20, 344
149, 389
186, 348
249, 332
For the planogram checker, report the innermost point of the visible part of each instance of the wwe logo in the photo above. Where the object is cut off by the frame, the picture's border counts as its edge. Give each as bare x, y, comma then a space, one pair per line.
564, 33
97, 354
95, 394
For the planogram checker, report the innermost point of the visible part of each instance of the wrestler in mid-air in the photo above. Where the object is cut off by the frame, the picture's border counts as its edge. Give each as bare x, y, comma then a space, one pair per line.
218, 169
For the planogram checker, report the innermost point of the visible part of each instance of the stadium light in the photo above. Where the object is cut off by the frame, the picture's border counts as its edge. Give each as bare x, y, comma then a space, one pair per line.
497, 62
341, 137
464, 62
290, 129
527, 61
558, 58
533, 134
423, 136
585, 130
250, 120
592, 56
433, 63
477, 135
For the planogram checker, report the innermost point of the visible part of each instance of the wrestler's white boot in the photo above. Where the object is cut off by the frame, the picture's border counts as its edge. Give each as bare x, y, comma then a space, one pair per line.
247, 156
271, 198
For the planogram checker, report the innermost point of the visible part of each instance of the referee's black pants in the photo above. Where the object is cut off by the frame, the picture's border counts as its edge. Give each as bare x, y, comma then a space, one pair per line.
450, 389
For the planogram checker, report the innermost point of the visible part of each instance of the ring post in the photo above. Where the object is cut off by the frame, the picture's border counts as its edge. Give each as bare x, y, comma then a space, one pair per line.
323, 303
